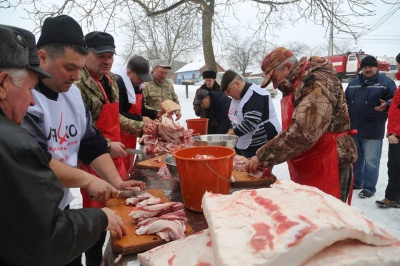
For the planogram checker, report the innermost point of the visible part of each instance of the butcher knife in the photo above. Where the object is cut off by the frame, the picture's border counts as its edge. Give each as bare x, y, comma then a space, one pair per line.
129, 193
134, 151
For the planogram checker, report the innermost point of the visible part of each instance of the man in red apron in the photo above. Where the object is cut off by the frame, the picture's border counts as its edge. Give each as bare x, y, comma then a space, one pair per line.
130, 84
314, 140
100, 94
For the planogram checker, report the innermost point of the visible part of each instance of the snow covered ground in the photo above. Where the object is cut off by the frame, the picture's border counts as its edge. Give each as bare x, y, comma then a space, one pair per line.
389, 218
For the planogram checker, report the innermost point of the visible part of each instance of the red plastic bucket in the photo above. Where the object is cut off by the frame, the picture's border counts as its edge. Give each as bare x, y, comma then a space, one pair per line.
199, 125
196, 176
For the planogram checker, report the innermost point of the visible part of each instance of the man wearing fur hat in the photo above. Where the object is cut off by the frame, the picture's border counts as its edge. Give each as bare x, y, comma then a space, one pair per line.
368, 98
60, 122
210, 84
35, 230
315, 123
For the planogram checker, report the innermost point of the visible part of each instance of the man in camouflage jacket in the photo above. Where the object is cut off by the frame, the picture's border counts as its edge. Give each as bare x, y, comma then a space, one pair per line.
159, 89
94, 99
319, 106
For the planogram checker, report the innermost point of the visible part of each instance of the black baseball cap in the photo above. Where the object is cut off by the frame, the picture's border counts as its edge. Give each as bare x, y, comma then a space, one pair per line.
18, 50
100, 42
141, 67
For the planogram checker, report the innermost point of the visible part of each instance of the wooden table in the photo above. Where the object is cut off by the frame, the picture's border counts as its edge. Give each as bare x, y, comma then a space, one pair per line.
171, 189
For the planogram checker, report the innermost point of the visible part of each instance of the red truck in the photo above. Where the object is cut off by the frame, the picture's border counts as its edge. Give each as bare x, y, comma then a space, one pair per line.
347, 65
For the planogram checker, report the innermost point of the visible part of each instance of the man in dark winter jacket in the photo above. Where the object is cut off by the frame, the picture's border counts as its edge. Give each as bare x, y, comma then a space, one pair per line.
216, 107
35, 230
210, 84
368, 98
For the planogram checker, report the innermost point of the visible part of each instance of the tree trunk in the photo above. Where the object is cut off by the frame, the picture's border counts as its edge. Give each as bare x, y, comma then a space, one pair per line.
208, 50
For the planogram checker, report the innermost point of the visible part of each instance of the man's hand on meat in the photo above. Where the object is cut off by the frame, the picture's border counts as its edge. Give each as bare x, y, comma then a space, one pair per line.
130, 185
115, 222
170, 108
252, 165
178, 114
100, 190
149, 128
117, 149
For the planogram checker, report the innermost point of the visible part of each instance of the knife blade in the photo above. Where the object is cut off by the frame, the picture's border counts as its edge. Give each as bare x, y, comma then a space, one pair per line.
134, 151
129, 193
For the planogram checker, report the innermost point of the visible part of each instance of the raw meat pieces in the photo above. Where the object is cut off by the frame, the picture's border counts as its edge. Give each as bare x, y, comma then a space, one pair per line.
168, 137
167, 220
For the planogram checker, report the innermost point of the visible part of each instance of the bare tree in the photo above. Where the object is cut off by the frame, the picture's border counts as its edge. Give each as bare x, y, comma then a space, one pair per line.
170, 36
272, 14
9, 4
243, 55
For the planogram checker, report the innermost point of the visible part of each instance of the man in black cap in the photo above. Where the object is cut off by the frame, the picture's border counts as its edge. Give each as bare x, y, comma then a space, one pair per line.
210, 84
368, 98
60, 122
216, 107
130, 84
35, 231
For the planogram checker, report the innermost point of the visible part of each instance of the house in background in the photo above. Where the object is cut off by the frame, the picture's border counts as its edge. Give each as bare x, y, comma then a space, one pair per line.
192, 72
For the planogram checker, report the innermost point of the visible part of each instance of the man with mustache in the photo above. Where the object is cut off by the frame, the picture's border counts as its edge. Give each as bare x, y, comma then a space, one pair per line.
99, 92
35, 230
368, 98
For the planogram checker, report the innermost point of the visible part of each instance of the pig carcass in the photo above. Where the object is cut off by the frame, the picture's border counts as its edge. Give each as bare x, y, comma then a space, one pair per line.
286, 224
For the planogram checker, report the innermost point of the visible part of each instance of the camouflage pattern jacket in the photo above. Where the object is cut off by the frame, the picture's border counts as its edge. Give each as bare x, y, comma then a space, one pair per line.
93, 98
319, 106
155, 93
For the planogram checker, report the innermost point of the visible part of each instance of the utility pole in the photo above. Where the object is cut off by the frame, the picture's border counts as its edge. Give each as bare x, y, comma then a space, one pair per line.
330, 52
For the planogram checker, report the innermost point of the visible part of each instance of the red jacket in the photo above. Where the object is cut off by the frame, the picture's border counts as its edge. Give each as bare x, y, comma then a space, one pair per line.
393, 126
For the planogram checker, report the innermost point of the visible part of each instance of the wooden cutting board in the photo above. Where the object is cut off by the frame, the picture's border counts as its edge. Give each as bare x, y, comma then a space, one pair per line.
132, 243
244, 180
153, 163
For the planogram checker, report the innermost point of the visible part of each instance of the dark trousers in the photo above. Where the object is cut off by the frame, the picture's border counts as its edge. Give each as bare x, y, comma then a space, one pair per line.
392, 191
94, 255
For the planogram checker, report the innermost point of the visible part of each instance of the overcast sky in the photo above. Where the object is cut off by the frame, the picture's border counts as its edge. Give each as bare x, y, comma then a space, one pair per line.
383, 41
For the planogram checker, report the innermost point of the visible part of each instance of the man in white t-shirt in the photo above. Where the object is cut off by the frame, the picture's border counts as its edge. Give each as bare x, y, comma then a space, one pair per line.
60, 122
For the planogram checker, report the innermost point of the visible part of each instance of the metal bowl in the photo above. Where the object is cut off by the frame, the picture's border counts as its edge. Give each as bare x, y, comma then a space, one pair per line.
169, 160
216, 140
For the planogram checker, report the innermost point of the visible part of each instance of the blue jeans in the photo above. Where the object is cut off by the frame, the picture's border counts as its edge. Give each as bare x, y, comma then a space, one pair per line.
366, 168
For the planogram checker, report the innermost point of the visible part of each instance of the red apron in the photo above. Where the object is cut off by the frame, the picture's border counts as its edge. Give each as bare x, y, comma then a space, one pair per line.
129, 140
108, 124
318, 166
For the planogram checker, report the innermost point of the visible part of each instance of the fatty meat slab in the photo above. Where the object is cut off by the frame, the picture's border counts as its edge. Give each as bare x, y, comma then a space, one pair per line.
356, 253
286, 224
195, 249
